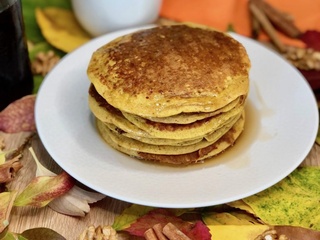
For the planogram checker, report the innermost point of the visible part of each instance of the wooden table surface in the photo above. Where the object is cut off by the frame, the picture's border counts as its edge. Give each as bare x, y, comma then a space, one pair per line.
101, 213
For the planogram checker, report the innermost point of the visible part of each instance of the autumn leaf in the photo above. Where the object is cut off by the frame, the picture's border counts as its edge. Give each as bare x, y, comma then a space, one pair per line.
245, 232
61, 28
292, 201
129, 216
135, 211
12, 236
229, 218
6, 202
41, 170
2, 157
41, 233
34, 234
240, 204
195, 231
75, 202
18, 116
238, 232
313, 78
43, 189
312, 39
32, 30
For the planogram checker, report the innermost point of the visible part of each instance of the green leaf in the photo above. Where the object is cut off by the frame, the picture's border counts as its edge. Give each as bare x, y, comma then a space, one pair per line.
230, 28
9, 236
37, 81
41, 233
129, 216
13, 236
44, 189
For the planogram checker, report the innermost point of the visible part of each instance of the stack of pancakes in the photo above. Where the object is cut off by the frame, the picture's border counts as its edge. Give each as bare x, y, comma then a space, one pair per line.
170, 94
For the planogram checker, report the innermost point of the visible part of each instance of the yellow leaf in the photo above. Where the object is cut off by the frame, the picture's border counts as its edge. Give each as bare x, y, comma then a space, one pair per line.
60, 28
2, 157
293, 201
240, 204
6, 202
239, 232
228, 218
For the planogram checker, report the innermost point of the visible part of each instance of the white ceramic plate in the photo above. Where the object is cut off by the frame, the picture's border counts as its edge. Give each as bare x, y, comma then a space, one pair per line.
281, 125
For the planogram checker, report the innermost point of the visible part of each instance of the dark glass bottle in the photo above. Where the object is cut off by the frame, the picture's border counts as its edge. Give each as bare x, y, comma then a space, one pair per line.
16, 78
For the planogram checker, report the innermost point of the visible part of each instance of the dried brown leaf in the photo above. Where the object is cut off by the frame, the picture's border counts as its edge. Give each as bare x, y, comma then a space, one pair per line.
9, 169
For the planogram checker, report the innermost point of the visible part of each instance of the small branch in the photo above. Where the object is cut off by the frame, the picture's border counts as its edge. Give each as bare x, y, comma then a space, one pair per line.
255, 27
21, 148
280, 20
266, 25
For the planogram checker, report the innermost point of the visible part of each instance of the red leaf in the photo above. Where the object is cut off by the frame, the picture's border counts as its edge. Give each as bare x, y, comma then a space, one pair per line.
195, 231
312, 39
313, 78
199, 231
147, 221
18, 116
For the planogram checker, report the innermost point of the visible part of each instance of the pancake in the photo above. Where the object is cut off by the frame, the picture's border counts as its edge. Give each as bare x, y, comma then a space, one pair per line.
154, 141
168, 70
170, 94
225, 141
182, 131
185, 118
141, 127
123, 137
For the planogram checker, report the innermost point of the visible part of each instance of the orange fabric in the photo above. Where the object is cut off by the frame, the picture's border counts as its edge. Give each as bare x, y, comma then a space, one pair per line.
222, 13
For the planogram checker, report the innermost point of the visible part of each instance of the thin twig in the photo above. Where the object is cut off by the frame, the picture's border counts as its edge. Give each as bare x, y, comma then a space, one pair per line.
266, 25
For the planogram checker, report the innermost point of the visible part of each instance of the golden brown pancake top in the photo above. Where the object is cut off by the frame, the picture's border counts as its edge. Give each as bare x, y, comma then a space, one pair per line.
190, 61
170, 69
